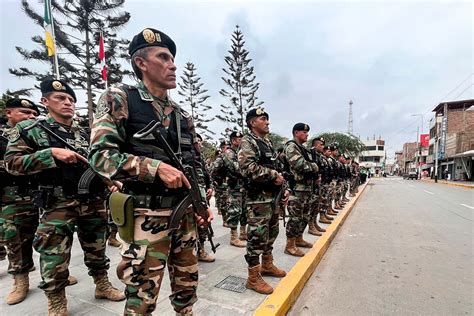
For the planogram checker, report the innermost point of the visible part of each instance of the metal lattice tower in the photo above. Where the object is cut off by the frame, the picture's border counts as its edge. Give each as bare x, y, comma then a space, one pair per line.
350, 128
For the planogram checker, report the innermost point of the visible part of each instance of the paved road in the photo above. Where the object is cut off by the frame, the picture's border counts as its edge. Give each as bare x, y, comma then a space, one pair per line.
406, 249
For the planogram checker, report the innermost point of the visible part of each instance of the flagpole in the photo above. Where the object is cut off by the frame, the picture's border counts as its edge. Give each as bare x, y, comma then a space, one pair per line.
102, 58
56, 62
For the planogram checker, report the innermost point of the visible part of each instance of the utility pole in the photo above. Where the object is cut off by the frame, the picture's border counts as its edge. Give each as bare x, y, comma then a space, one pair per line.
350, 128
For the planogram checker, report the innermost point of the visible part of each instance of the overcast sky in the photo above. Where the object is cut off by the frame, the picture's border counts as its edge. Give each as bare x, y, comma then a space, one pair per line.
393, 59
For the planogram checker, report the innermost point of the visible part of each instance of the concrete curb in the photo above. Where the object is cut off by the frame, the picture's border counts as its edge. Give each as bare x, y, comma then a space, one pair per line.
466, 186
290, 287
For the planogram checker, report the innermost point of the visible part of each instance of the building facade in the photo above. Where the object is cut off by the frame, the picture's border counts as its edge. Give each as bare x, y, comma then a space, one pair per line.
374, 156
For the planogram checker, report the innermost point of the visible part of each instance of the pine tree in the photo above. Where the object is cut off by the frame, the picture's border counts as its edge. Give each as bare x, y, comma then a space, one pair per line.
241, 85
77, 24
194, 99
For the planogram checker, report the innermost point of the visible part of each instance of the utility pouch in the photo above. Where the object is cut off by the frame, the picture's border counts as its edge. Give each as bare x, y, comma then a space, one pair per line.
43, 197
121, 210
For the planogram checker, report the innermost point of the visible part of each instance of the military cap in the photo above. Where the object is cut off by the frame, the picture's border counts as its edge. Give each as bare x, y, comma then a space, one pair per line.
300, 127
54, 85
21, 103
256, 113
151, 37
199, 136
320, 139
223, 143
235, 134
327, 147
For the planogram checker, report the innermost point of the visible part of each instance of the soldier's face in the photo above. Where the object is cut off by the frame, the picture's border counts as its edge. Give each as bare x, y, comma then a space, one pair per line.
16, 115
302, 136
319, 146
327, 153
60, 104
158, 68
236, 141
260, 125
199, 143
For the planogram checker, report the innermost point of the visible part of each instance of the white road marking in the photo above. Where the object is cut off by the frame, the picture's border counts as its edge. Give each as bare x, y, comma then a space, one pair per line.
428, 192
468, 206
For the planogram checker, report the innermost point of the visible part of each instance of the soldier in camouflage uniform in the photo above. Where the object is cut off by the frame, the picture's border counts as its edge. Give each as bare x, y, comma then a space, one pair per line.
319, 202
33, 150
264, 184
220, 183
18, 216
305, 171
147, 174
325, 217
203, 255
237, 209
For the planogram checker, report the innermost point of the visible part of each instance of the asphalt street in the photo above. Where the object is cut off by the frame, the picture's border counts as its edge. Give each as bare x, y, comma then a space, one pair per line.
406, 249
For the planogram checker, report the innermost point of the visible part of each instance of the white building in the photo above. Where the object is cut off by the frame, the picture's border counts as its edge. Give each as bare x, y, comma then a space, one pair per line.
373, 157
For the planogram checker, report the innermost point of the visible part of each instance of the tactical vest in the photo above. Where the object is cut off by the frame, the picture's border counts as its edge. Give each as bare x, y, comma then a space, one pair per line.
67, 175
266, 159
234, 180
140, 114
324, 168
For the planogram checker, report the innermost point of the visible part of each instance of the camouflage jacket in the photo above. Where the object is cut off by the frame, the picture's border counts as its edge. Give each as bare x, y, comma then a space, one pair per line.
231, 164
217, 170
29, 151
108, 136
249, 156
305, 171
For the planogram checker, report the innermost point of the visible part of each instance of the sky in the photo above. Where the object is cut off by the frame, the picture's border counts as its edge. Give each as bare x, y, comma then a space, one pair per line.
392, 59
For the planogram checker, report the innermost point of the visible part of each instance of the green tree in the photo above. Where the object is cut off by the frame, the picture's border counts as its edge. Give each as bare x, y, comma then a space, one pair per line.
195, 99
277, 140
241, 85
348, 143
77, 24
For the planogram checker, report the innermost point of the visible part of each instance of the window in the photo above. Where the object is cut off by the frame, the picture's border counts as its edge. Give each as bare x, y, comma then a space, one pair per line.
381, 147
370, 147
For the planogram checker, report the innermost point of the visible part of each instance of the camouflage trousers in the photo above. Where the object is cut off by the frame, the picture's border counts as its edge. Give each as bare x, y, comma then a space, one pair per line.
143, 262
55, 236
332, 191
18, 224
237, 211
299, 213
318, 201
262, 229
222, 201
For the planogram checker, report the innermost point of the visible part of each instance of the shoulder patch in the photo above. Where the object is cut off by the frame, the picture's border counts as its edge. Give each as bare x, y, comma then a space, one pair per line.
145, 95
13, 134
102, 108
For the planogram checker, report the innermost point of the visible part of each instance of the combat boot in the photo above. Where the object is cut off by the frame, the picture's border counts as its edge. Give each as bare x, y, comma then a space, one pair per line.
71, 280
113, 240
312, 229
291, 248
243, 233
331, 212
104, 289
268, 268
235, 241
323, 219
345, 200
57, 303
319, 228
256, 282
337, 206
20, 288
205, 256
300, 242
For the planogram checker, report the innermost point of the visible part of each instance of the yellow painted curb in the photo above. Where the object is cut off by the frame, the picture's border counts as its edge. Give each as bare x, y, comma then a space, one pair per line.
290, 287
451, 184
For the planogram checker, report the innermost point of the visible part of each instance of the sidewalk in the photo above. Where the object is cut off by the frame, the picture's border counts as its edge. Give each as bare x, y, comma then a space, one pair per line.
463, 184
211, 299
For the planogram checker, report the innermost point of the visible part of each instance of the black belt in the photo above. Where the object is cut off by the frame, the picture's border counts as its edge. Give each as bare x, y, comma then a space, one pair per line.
155, 201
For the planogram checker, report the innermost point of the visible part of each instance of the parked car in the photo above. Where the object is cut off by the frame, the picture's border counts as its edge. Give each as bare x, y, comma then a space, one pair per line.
411, 175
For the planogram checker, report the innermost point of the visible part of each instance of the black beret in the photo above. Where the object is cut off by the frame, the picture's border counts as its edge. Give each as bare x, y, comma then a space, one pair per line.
256, 113
53, 85
320, 139
223, 143
235, 134
151, 37
300, 127
333, 148
327, 147
199, 136
21, 103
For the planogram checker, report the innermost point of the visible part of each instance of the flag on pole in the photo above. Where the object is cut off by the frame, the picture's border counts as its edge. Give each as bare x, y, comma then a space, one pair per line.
48, 28
102, 57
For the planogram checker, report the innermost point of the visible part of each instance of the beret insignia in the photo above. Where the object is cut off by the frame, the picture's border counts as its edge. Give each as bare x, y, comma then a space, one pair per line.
260, 111
149, 36
58, 86
25, 103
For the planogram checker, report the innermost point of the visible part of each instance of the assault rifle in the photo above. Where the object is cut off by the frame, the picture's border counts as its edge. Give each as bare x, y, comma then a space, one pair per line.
194, 196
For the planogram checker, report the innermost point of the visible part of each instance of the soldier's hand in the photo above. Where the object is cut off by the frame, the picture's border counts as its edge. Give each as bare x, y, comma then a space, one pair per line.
117, 186
209, 193
200, 220
279, 180
286, 196
67, 156
172, 177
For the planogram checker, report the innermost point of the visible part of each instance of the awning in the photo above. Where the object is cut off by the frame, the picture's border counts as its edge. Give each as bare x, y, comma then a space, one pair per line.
468, 153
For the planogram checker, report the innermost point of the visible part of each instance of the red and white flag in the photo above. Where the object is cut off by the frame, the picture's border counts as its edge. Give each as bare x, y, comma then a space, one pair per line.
102, 57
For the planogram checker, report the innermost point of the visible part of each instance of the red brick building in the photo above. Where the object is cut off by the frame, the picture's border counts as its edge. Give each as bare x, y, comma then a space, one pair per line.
452, 136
